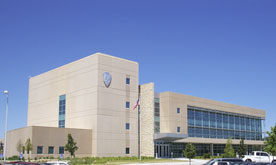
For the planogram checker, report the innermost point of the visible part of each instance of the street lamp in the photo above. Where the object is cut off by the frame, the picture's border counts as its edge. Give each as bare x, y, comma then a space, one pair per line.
6, 126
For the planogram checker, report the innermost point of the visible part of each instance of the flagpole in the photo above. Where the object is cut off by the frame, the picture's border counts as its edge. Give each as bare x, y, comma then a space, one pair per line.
139, 125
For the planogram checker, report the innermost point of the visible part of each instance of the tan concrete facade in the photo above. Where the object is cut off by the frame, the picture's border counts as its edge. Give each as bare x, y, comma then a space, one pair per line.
147, 119
170, 120
89, 103
98, 115
49, 137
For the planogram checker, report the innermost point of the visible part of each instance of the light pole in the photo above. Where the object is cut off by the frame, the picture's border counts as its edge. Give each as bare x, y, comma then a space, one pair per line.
6, 126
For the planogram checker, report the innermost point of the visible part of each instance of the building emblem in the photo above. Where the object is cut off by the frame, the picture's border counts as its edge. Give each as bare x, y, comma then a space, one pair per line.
107, 79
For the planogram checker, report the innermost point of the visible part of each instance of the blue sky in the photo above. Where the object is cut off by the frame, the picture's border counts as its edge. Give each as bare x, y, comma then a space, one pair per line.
220, 50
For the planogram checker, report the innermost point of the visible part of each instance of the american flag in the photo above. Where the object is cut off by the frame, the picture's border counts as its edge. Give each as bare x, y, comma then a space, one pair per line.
137, 103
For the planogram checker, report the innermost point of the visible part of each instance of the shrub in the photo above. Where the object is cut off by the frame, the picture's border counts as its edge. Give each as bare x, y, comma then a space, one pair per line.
207, 155
15, 157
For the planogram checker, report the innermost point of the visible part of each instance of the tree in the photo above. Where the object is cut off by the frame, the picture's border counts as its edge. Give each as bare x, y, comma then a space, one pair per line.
189, 151
1, 147
229, 152
28, 147
71, 146
241, 149
270, 141
19, 146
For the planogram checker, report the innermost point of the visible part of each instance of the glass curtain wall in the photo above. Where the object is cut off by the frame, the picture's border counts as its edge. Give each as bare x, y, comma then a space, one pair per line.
206, 123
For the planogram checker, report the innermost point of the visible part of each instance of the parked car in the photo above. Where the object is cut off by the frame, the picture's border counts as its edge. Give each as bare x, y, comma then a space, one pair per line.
259, 156
58, 163
223, 160
21, 163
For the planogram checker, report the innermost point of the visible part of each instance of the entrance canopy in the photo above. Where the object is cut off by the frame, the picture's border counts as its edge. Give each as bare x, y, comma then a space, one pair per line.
169, 136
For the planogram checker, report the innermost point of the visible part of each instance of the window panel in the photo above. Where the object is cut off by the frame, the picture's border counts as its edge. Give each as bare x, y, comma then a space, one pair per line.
219, 121
212, 120
51, 150
39, 149
231, 122
206, 133
205, 119
191, 116
127, 150
127, 126
61, 150
198, 118
191, 132
127, 80
225, 134
219, 134
178, 110
237, 123
242, 123
198, 132
225, 121
213, 133
247, 122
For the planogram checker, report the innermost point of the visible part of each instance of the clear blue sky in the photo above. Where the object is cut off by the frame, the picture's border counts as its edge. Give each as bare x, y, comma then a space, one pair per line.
221, 50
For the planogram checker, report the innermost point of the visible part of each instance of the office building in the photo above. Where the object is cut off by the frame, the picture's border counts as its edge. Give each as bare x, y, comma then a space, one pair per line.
93, 99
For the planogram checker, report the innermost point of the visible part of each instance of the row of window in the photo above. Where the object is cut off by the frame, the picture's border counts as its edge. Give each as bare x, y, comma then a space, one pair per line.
223, 134
225, 121
51, 150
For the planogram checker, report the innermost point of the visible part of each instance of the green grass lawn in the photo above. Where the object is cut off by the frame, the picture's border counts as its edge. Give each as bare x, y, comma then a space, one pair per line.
143, 161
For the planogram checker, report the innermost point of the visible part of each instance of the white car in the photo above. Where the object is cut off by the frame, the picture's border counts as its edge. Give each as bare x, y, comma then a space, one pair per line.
58, 163
259, 156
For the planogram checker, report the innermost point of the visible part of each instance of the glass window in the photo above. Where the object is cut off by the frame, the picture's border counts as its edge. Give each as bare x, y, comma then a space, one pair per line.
219, 121
231, 122
247, 122
242, 122
61, 123
61, 150
178, 110
242, 135
213, 133
178, 129
237, 123
198, 118
231, 134
253, 125
253, 136
237, 134
191, 132
127, 150
225, 134
127, 126
212, 120
225, 121
191, 116
205, 119
264, 154
198, 132
127, 80
219, 134
205, 132
247, 136
39, 149
51, 150
127, 104
62, 109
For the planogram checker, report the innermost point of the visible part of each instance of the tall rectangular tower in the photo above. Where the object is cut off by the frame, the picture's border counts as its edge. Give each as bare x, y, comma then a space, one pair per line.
96, 92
